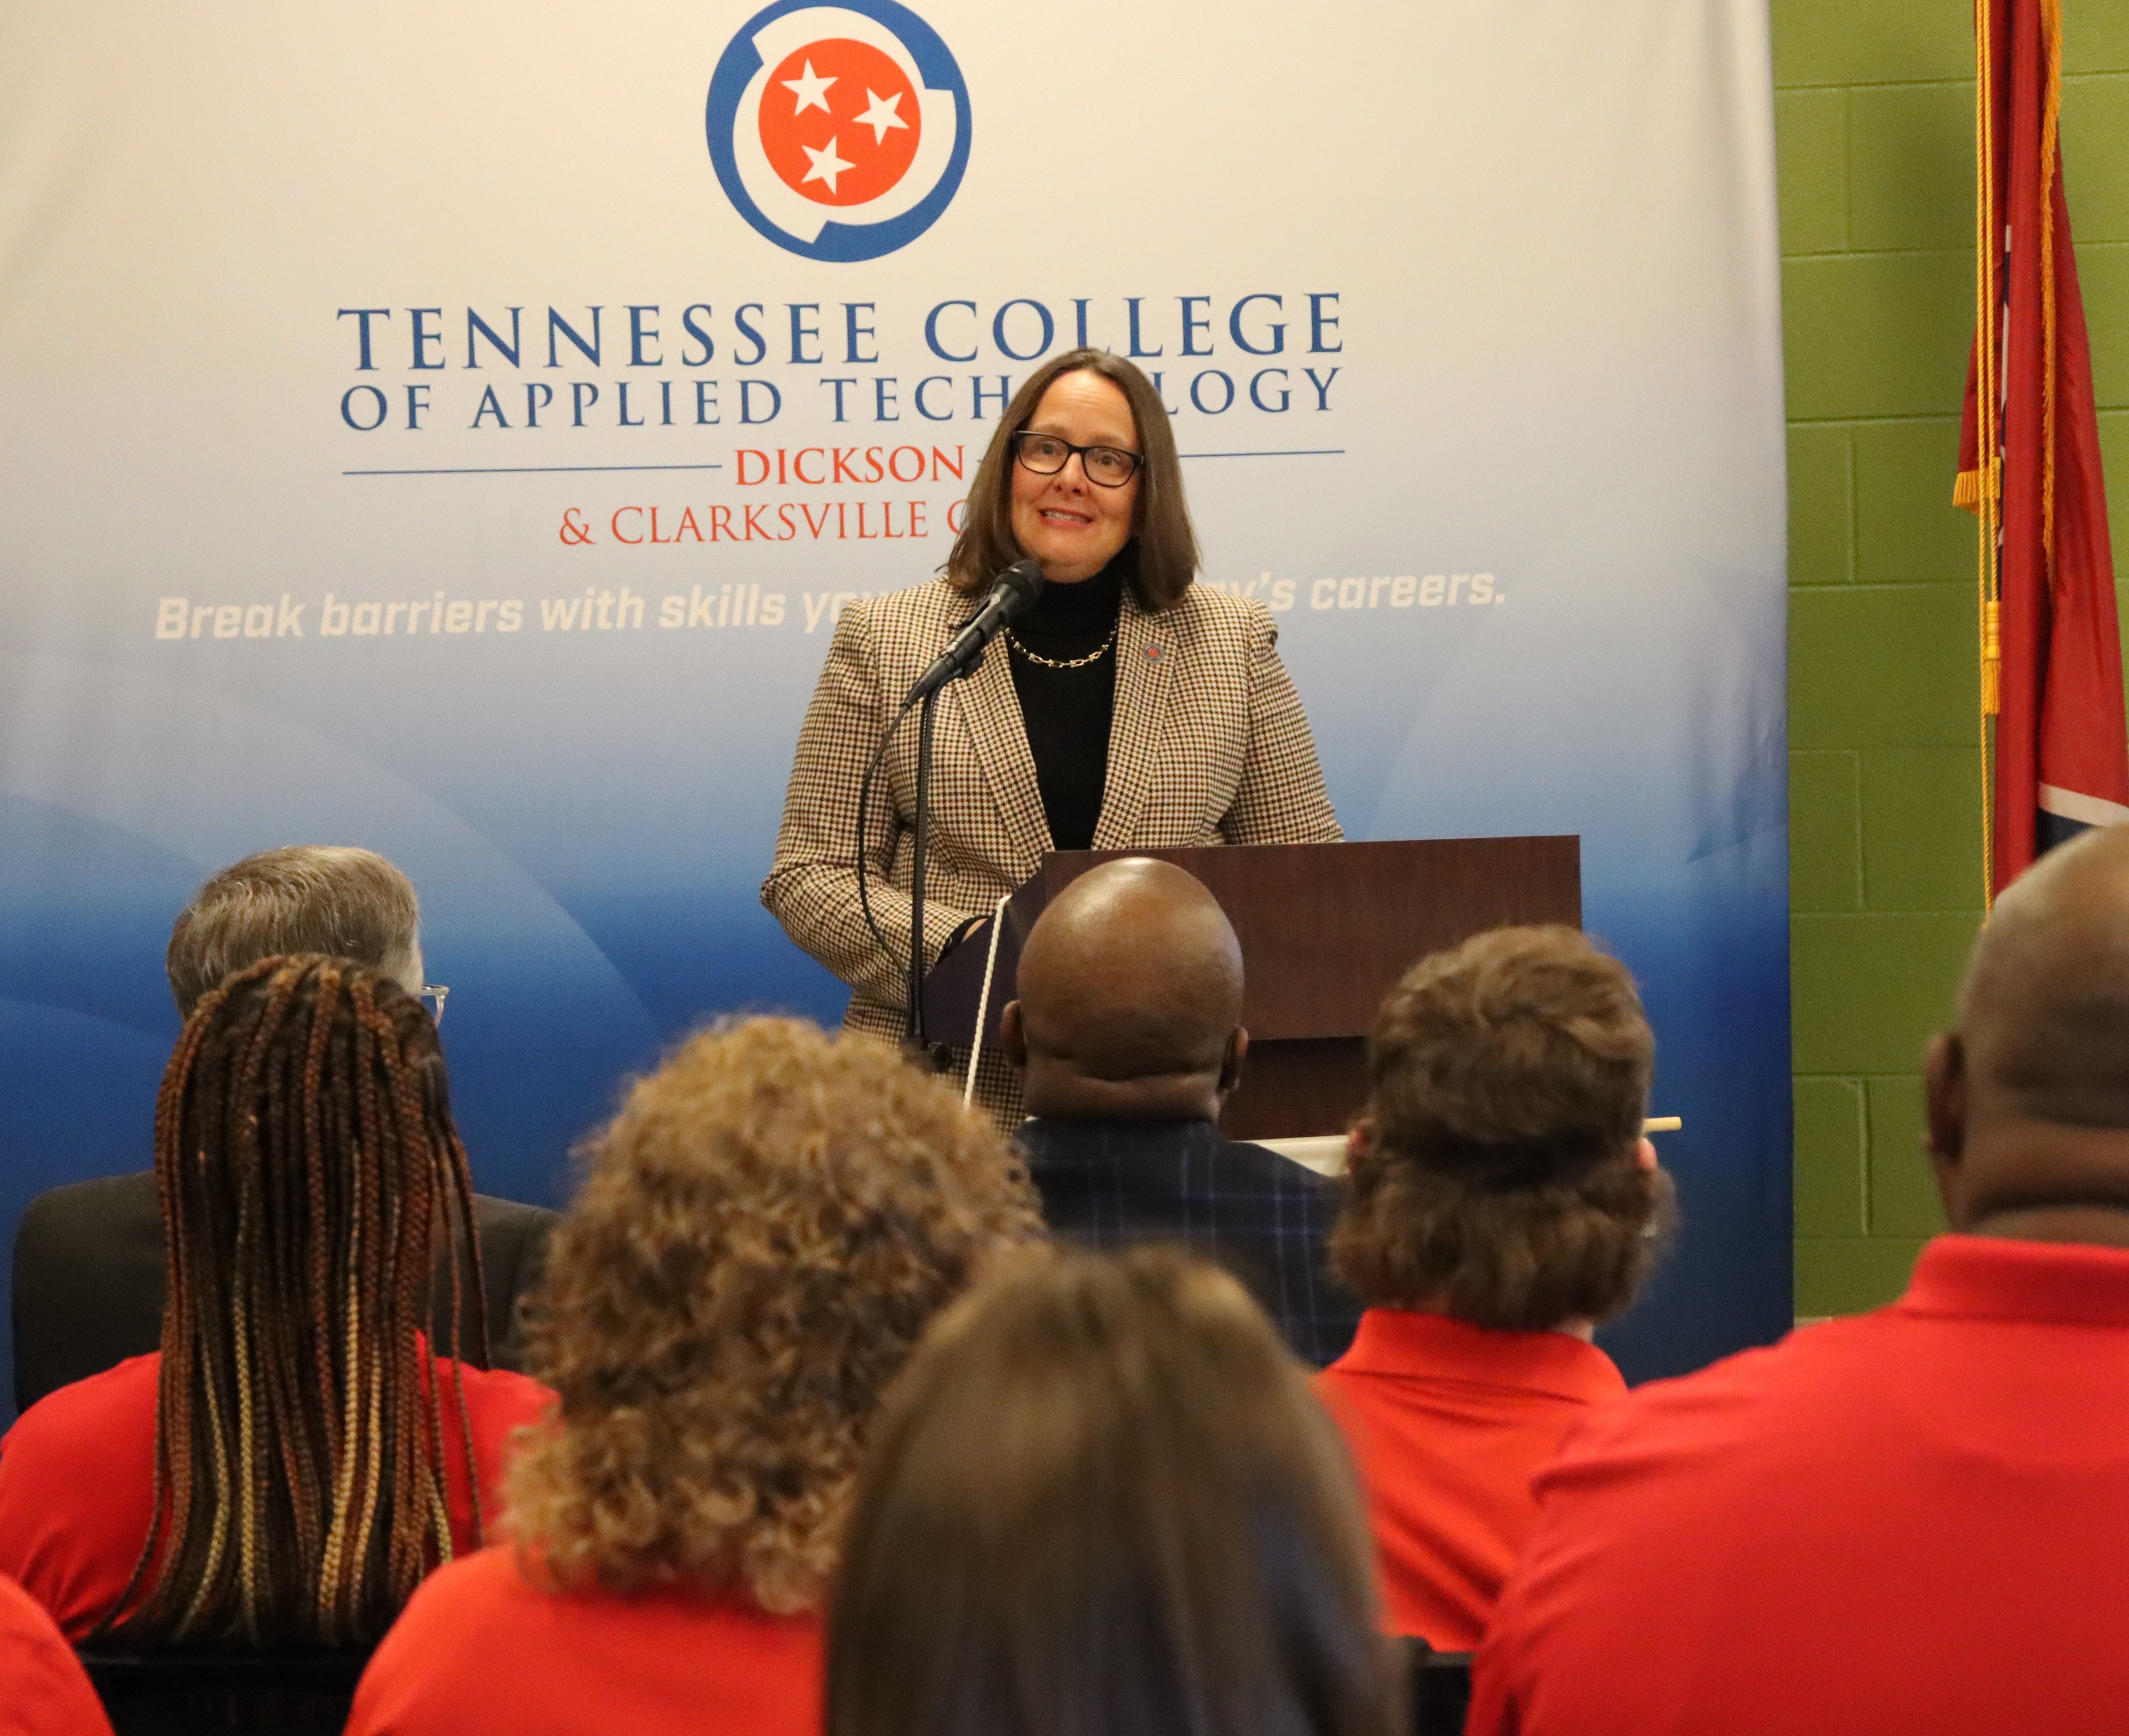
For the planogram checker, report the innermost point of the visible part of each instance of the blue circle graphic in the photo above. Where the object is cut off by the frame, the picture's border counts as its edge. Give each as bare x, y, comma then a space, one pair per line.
845, 243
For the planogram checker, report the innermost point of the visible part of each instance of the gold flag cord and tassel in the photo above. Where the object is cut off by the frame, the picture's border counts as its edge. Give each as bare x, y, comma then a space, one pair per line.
1981, 490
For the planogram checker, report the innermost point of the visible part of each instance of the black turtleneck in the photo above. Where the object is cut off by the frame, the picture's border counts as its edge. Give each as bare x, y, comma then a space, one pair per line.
1068, 711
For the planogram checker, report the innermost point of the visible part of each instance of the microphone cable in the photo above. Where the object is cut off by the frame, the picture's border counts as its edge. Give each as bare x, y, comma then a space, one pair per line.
1025, 579
864, 800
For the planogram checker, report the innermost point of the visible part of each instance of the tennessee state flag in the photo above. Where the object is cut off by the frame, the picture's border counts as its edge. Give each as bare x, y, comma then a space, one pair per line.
2030, 467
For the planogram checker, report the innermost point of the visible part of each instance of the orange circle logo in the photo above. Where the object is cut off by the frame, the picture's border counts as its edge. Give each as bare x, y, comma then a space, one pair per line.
840, 123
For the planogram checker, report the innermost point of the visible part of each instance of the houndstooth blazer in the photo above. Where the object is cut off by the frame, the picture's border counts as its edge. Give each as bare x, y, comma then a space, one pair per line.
1209, 744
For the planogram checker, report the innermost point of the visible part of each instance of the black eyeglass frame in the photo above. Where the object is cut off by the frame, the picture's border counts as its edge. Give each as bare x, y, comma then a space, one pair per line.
1020, 457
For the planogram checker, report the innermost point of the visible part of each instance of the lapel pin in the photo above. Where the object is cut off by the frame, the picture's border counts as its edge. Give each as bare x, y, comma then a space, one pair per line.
1153, 653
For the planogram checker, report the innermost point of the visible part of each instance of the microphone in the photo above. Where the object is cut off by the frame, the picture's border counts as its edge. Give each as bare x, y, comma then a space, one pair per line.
1012, 593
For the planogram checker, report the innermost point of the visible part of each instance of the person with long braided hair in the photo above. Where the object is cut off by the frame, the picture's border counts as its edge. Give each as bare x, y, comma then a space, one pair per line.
295, 1460
89, 1277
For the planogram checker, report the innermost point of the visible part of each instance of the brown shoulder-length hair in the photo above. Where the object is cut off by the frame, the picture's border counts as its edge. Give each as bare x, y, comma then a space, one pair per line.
1167, 546
1496, 1176
1103, 1498
763, 1232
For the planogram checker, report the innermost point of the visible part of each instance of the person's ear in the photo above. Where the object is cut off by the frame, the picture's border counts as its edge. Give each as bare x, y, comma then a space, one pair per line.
1230, 1062
1012, 1037
1944, 1096
1359, 1138
408, 970
1645, 1155
1944, 1112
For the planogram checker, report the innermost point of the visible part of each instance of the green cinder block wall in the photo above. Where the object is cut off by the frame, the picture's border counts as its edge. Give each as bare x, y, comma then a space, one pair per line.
1874, 109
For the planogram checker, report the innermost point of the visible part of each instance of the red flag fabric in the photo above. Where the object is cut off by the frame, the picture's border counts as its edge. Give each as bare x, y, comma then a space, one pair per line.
2061, 751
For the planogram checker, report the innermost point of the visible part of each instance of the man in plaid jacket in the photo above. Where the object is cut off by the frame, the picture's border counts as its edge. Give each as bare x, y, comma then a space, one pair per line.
1128, 1034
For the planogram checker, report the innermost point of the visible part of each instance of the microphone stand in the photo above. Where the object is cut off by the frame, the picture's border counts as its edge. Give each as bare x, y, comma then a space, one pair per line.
920, 830
1011, 591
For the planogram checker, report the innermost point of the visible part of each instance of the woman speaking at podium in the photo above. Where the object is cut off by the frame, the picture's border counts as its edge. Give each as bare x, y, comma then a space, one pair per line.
1128, 708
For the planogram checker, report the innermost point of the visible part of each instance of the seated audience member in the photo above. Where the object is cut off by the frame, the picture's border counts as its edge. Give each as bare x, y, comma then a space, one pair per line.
1103, 1499
88, 1255
1128, 1038
1912, 1520
763, 1233
1499, 1195
44, 1691
285, 1469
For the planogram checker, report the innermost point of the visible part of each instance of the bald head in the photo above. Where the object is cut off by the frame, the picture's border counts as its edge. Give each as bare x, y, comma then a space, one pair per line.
1130, 998
2029, 1095
2045, 1007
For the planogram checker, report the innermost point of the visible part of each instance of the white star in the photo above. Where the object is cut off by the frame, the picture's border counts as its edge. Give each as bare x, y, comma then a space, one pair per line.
827, 164
881, 116
812, 90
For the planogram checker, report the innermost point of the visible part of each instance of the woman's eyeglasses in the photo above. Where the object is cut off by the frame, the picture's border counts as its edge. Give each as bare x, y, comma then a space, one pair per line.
1044, 454
433, 995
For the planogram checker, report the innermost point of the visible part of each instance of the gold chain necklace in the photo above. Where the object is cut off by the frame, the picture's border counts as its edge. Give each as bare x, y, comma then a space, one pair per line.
1095, 655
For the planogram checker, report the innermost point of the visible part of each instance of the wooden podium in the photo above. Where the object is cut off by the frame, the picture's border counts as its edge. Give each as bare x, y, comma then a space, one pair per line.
1327, 929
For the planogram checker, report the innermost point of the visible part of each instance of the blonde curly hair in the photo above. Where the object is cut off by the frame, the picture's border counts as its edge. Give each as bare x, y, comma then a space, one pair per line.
763, 1233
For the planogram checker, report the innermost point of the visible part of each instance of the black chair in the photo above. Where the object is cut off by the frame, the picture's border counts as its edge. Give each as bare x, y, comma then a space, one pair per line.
299, 1694
1440, 1686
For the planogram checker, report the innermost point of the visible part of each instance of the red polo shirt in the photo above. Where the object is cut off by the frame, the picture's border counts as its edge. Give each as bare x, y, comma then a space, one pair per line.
1447, 1423
1916, 1520
44, 1691
479, 1650
76, 1479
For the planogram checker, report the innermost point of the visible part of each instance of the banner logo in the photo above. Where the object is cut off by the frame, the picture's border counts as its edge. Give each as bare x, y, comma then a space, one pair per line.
839, 132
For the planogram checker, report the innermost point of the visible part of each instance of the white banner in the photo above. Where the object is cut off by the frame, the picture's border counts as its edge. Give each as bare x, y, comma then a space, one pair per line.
455, 431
